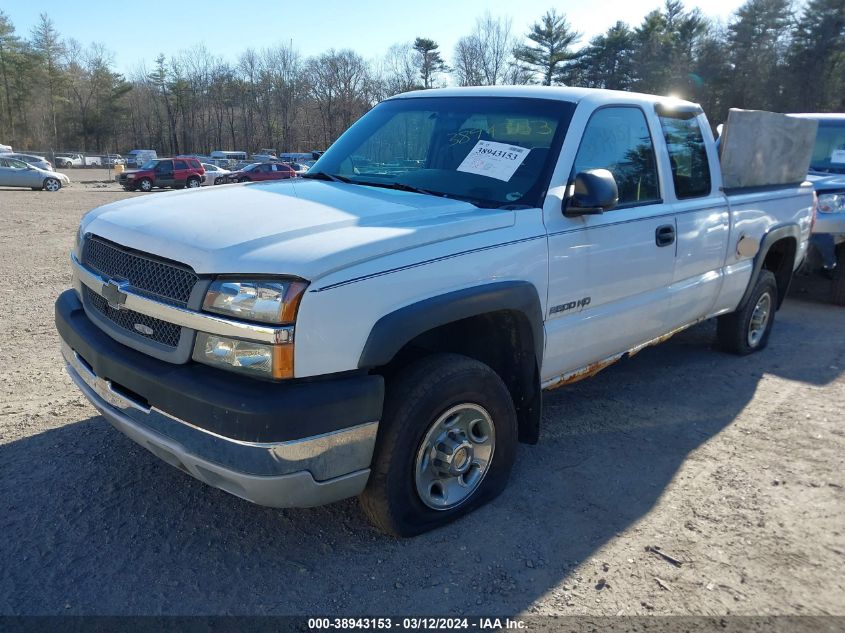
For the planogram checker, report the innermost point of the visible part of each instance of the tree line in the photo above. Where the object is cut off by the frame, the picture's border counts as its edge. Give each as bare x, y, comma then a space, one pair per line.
56, 93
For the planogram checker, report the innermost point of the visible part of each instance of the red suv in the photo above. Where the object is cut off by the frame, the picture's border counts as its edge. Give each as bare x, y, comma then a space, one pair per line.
163, 172
263, 171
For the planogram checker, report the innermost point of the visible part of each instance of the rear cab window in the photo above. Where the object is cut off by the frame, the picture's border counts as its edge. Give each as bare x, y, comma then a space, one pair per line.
687, 155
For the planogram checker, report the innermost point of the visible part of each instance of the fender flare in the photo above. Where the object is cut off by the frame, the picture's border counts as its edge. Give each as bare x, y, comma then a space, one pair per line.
773, 235
392, 331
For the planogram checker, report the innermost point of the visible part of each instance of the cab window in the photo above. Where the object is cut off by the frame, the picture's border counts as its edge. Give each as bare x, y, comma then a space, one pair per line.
687, 154
618, 139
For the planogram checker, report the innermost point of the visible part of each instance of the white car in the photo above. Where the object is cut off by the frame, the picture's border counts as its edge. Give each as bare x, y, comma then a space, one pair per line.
385, 327
16, 173
214, 175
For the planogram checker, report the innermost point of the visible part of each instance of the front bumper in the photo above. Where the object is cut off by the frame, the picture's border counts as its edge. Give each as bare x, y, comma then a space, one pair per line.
280, 445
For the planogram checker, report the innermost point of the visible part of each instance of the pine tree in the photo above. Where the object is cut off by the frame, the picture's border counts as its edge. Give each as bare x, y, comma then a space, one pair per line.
553, 38
606, 62
49, 48
817, 58
429, 60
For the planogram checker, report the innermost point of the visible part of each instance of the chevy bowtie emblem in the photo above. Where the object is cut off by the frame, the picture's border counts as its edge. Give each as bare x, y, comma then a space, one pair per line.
113, 293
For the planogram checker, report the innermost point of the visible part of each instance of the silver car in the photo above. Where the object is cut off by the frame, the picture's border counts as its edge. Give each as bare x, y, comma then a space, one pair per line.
31, 159
16, 173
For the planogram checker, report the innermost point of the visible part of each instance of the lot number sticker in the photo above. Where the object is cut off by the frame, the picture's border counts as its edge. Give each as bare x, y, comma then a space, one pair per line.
838, 156
495, 160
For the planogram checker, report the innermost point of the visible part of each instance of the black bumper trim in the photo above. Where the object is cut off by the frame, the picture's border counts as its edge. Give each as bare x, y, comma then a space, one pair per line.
229, 405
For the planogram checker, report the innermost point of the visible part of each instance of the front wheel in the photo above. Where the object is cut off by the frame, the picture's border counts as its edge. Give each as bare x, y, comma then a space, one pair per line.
446, 445
52, 184
145, 184
747, 330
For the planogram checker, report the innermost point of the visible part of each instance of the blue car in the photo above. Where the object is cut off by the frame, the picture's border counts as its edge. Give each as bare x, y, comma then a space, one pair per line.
827, 173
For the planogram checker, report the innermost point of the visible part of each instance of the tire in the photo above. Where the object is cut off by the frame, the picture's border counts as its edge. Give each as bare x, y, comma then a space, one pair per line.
837, 288
747, 330
422, 400
193, 183
52, 184
145, 185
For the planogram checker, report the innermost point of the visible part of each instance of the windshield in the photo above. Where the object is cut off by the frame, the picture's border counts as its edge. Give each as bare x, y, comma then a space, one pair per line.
490, 151
150, 164
829, 150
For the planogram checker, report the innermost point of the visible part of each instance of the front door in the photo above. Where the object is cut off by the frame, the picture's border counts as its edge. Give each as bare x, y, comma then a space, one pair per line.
609, 274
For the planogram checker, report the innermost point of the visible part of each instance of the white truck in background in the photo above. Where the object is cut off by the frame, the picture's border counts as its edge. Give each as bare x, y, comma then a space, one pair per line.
385, 326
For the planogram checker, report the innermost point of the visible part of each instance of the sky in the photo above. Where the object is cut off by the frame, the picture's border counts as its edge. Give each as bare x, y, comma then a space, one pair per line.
138, 31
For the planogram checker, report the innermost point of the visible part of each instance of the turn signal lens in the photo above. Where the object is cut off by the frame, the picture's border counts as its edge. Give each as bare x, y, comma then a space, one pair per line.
245, 357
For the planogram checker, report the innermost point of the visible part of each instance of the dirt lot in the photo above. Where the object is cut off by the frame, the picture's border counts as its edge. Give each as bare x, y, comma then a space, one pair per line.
733, 466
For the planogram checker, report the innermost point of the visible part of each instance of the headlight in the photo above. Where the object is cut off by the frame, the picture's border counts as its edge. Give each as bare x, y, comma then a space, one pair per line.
246, 357
259, 300
831, 202
130, 176
274, 301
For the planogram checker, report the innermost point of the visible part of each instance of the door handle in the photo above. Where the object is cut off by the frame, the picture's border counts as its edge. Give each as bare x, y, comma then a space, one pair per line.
665, 235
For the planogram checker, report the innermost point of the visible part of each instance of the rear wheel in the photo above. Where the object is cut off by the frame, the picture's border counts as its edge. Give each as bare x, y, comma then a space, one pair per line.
747, 330
145, 184
837, 289
446, 445
193, 183
52, 184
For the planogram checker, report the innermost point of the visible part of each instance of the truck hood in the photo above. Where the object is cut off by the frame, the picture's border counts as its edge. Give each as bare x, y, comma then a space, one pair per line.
306, 228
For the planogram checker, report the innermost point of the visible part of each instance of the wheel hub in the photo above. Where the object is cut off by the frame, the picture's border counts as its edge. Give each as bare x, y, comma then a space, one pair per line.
759, 319
454, 456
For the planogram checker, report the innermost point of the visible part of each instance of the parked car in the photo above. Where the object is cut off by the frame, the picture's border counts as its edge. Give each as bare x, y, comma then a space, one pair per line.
827, 173
31, 159
214, 175
390, 335
5, 149
16, 173
225, 158
69, 159
257, 172
111, 160
163, 172
137, 157
299, 168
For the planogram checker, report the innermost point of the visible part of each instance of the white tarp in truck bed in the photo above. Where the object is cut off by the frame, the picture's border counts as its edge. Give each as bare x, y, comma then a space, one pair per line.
764, 148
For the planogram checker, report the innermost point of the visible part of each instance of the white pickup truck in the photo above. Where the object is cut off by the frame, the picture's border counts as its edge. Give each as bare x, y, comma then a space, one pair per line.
385, 326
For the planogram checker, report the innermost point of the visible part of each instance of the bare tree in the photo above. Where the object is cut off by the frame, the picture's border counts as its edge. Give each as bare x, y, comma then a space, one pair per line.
468, 62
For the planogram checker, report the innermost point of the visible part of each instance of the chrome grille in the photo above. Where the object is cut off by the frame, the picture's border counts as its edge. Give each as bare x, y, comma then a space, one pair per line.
162, 332
155, 278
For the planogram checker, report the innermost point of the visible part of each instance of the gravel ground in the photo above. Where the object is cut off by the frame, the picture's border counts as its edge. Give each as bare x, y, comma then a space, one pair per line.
731, 466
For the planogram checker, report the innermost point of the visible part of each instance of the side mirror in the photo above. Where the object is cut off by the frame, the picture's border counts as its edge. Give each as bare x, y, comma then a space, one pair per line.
594, 192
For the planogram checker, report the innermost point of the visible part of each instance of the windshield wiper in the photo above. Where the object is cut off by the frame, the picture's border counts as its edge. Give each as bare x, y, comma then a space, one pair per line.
401, 186
321, 175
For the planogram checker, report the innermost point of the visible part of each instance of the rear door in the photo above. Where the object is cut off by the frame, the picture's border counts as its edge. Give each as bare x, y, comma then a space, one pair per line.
609, 274
180, 172
165, 176
701, 213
